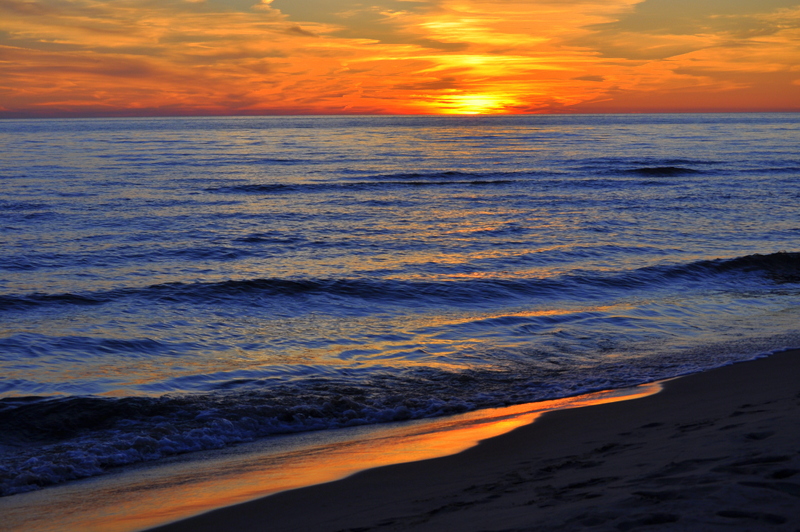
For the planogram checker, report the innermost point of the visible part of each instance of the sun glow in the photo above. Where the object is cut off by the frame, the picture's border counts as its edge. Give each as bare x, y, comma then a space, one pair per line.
473, 104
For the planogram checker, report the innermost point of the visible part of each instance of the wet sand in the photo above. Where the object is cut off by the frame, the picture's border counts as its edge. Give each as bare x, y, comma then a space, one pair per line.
718, 450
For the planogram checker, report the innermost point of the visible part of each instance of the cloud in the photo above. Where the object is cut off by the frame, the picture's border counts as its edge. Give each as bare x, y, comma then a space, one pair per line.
692, 17
659, 29
297, 30
426, 56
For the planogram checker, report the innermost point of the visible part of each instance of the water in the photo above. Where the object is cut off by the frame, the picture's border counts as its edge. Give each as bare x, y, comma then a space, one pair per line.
170, 285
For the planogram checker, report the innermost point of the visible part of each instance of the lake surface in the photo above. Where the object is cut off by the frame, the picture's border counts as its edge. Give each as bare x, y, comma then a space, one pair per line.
170, 284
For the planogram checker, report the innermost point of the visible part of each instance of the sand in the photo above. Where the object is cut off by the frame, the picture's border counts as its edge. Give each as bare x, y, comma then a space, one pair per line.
718, 450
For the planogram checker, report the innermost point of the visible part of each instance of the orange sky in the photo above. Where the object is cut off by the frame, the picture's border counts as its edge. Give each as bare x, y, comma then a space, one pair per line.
179, 57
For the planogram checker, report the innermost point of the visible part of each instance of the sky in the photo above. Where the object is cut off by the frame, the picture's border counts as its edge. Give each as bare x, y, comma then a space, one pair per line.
71, 58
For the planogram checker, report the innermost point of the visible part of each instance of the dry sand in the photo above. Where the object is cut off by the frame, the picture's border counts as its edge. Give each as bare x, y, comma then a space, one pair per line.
719, 450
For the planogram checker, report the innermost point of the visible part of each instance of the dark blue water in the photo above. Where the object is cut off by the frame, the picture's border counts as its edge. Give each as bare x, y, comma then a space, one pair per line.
169, 285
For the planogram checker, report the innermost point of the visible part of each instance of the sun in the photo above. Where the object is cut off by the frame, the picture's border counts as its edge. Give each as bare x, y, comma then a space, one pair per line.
473, 104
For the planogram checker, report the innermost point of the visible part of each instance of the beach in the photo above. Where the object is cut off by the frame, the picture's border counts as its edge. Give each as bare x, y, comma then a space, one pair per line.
715, 450
411, 265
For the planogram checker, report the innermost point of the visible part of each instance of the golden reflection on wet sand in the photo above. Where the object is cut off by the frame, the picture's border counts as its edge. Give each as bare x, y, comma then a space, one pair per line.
148, 496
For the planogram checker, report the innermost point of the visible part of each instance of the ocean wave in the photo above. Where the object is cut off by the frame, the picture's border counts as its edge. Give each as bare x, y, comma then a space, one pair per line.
200, 159
47, 441
267, 188
280, 188
653, 161
32, 346
271, 238
662, 171
10, 302
450, 175
6, 206
444, 179
781, 267
122, 255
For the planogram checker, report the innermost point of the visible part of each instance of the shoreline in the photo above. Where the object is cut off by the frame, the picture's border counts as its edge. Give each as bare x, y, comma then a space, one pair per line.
713, 450
151, 494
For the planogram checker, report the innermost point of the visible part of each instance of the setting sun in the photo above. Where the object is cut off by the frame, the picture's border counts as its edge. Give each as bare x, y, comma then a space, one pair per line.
472, 104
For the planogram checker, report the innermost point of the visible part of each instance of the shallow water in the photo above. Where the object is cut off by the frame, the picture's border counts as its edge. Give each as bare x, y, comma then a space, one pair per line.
171, 285
151, 494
